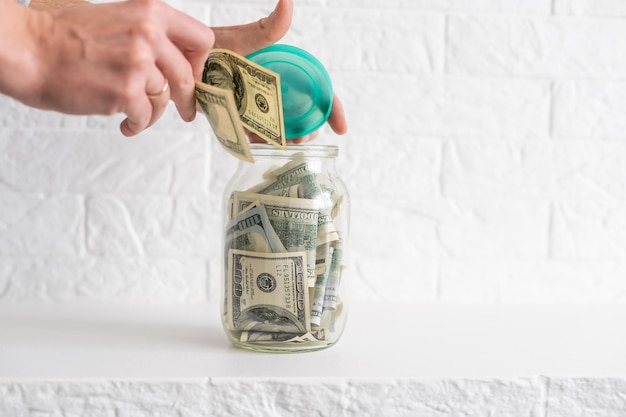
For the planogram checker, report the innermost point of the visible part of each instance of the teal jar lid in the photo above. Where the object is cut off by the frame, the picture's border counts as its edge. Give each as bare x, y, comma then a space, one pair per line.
307, 93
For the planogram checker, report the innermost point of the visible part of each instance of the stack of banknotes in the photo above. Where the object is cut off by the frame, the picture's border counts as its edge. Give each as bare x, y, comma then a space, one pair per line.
283, 257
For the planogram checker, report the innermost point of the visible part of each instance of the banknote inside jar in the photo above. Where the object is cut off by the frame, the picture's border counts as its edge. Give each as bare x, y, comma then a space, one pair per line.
283, 257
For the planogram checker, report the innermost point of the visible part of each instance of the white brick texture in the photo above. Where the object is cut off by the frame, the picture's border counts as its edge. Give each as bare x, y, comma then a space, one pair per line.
522, 397
485, 160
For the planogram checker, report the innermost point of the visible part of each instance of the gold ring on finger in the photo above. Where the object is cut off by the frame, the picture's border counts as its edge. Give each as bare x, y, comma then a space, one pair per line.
166, 86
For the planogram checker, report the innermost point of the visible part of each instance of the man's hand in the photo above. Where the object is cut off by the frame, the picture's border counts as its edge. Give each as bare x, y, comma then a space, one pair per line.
133, 57
130, 57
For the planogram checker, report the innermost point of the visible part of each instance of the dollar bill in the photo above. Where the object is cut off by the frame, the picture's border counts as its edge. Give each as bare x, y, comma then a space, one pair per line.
295, 221
297, 171
267, 292
252, 231
331, 294
256, 91
219, 108
293, 191
301, 173
318, 292
322, 258
258, 337
330, 317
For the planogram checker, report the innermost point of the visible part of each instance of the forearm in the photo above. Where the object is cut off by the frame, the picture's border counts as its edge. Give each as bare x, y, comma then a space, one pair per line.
20, 29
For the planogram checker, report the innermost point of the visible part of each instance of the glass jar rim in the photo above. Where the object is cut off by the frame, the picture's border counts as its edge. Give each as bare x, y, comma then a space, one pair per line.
316, 151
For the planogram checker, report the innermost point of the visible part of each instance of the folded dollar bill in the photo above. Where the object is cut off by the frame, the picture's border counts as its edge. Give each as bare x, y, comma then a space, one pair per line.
254, 99
219, 108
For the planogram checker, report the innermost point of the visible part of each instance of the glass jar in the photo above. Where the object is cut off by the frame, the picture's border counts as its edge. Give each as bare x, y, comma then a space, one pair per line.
286, 221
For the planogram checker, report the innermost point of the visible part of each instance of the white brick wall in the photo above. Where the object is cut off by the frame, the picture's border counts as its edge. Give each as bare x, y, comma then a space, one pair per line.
485, 158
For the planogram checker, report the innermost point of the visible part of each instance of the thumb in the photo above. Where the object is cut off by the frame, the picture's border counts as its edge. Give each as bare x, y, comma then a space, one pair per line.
248, 38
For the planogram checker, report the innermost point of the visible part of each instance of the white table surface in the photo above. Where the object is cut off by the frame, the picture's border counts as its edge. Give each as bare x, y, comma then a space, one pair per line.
380, 341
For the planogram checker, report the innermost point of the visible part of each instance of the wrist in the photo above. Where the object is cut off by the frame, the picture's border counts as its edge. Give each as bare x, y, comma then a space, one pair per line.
21, 34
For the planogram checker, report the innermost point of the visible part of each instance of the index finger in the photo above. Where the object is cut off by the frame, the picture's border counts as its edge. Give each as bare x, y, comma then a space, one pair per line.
192, 37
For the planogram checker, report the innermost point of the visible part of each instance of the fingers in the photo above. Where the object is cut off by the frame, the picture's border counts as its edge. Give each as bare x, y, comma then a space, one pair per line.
181, 57
304, 139
159, 101
245, 39
254, 138
180, 45
145, 109
192, 38
179, 73
138, 116
182, 49
337, 118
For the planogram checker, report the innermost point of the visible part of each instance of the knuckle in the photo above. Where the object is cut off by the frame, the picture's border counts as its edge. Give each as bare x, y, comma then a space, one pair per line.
148, 31
115, 103
113, 108
182, 83
149, 7
128, 90
181, 79
138, 54
148, 21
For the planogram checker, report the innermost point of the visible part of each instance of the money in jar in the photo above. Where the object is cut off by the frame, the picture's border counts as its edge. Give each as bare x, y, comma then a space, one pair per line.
286, 226
286, 220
